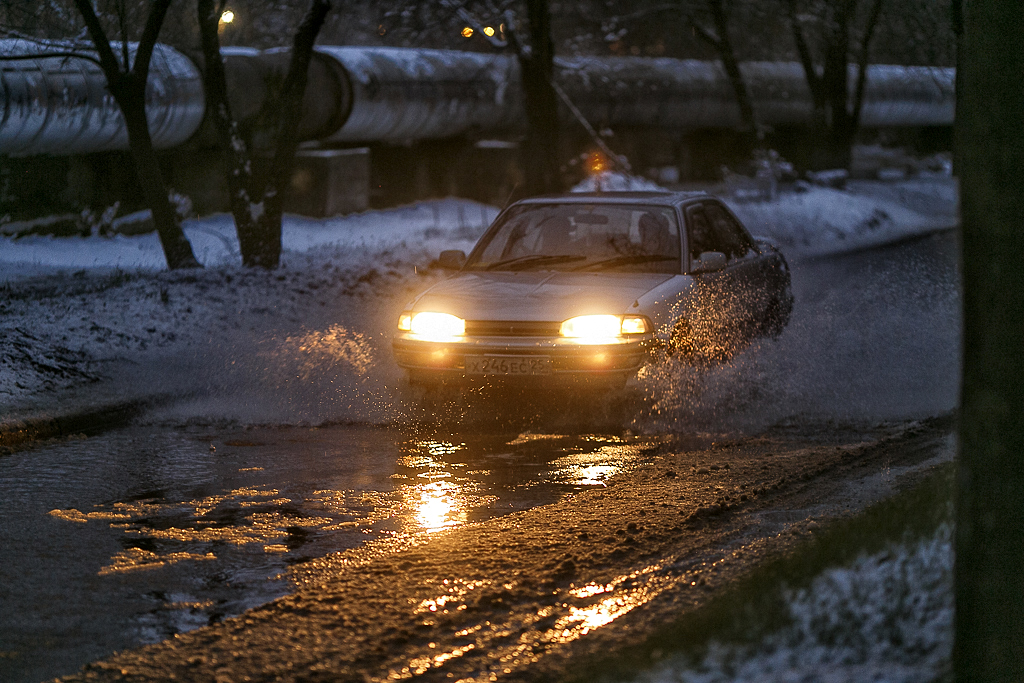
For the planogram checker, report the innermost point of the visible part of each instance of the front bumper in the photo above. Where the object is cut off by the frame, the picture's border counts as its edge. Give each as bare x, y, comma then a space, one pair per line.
563, 359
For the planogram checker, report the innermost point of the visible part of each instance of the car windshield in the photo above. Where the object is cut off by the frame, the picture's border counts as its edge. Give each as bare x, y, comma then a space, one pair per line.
581, 237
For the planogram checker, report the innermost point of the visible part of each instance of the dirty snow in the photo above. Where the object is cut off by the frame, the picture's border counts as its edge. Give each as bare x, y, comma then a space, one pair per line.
77, 310
887, 617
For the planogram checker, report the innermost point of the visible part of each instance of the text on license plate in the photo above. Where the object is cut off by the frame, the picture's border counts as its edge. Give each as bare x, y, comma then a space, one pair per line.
508, 365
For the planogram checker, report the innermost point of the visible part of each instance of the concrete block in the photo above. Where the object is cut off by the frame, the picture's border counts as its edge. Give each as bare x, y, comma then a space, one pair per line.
330, 182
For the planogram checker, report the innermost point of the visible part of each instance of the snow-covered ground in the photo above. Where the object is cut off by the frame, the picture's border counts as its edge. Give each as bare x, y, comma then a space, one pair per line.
886, 617
99, 319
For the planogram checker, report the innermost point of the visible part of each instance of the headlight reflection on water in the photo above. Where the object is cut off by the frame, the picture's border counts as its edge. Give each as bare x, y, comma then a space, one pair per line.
447, 499
190, 530
436, 505
595, 467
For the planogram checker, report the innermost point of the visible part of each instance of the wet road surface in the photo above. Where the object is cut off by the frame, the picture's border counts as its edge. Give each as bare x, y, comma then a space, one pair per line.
130, 537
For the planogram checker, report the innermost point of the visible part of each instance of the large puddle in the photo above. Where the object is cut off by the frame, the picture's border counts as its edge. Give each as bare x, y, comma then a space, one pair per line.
130, 537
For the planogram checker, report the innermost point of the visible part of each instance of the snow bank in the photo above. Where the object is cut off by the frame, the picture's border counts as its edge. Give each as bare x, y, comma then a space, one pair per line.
888, 617
821, 220
415, 227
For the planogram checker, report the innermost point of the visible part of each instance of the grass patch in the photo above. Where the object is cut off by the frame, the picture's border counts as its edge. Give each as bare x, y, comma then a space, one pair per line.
757, 606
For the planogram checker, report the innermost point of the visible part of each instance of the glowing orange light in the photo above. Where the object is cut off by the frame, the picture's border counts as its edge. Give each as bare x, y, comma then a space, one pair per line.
467, 32
489, 31
596, 163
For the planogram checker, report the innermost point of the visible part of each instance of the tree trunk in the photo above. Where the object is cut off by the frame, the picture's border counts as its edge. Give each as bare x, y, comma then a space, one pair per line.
240, 174
177, 250
127, 84
540, 160
727, 54
268, 223
836, 85
258, 222
837, 117
989, 581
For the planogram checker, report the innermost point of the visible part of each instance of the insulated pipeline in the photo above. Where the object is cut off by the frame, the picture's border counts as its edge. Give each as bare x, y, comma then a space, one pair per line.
59, 105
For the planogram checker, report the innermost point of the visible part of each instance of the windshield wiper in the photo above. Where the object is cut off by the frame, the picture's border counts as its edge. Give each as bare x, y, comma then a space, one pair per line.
533, 260
623, 260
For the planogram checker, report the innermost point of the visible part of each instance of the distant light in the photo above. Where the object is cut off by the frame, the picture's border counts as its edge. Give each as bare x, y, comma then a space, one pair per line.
596, 163
381, 30
489, 31
467, 32
227, 17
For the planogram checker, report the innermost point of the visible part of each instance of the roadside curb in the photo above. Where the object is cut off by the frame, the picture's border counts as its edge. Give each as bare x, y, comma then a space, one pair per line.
15, 432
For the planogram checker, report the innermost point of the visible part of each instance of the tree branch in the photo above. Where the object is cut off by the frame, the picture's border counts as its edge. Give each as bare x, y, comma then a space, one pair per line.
598, 140
813, 81
107, 60
150, 33
294, 87
45, 55
704, 34
862, 62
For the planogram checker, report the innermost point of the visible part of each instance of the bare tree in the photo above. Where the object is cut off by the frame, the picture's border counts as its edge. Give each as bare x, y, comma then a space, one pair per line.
721, 42
257, 204
536, 65
989, 583
126, 81
838, 118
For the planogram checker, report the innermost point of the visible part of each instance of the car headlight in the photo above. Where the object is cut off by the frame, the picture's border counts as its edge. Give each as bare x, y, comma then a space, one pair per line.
592, 329
432, 326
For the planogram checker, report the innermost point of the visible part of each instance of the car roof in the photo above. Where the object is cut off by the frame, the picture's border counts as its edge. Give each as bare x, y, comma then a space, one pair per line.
651, 198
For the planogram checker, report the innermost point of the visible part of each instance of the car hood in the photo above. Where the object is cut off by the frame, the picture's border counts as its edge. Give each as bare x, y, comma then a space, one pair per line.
537, 295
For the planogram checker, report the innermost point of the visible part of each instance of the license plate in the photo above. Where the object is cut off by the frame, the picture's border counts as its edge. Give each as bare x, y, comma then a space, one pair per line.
508, 365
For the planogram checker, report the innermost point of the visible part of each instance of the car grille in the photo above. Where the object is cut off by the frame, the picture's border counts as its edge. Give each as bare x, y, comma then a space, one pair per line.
511, 328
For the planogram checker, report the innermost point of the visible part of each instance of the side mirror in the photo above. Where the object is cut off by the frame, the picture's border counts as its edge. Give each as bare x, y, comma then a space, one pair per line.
452, 259
709, 262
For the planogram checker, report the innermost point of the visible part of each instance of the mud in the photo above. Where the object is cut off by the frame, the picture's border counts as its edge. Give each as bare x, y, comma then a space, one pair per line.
544, 594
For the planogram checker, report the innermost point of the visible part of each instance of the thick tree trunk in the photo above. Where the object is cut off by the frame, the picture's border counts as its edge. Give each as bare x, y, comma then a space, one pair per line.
989, 581
540, 160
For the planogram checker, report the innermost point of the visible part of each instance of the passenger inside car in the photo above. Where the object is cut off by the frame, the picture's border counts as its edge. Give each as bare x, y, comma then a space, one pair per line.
655, 236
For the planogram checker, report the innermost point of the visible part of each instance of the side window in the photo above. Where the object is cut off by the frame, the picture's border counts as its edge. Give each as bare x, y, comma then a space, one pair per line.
732, 235
702, 234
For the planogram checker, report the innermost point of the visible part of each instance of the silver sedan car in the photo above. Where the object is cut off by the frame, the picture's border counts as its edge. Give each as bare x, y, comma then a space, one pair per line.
588, 286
